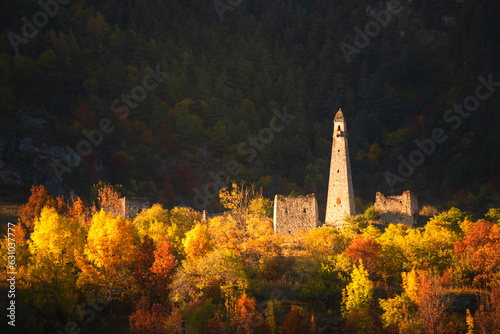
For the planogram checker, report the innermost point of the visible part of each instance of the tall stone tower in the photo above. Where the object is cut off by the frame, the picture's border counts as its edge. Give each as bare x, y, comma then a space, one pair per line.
340, 202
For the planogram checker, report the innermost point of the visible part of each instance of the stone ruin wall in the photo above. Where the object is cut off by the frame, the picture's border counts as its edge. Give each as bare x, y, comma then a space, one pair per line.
131, 206
292, 214
401, 209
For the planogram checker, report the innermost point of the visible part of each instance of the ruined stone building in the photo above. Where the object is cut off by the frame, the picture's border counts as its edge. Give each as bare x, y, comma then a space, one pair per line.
401, 209
292, 214
131, 206
340, 201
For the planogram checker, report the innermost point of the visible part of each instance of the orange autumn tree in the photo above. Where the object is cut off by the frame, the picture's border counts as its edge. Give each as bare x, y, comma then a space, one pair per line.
39, 198
148, 318
481, 248
109, 254
79, 210
247, 319
487, 317
364, 249
433, 305
163, 266
297, 323
109, 200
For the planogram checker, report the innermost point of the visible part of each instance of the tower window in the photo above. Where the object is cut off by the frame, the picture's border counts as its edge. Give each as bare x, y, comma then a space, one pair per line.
338, 170
338, 129
304, 210
338, 150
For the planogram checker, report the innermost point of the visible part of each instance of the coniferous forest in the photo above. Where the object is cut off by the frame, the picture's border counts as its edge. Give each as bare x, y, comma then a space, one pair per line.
218, 106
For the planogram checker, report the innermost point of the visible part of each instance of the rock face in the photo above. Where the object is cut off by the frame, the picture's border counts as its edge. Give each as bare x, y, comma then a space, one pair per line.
401, 209
292, 214
340, 202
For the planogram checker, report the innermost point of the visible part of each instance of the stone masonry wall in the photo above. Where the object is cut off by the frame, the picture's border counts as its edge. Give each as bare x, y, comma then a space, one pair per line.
401, 209
292, 214
131, 206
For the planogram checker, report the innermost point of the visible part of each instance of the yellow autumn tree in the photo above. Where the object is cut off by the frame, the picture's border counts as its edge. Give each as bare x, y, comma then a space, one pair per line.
152, 222
226, 233
53, 245
56, 238
235, 200
109, 255
197, 243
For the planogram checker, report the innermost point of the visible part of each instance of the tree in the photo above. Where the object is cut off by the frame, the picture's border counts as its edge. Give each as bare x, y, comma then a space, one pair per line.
215, 325
400, 312
56, 238
358, 293
120, 168
235, 200
109, 199
168, 190
451, 220
148, 318
163, 266
54, 242
174, 322
296, 323
260, 207
432, 305
184, 179
39, 198
481, 249
493, 215
323, 281
202, 314
197, 243
325, 241
165, 138
246, 317
108, 257
145, 259
227, 233
487, 317
78, 210
364, 249
220, 275
152, 222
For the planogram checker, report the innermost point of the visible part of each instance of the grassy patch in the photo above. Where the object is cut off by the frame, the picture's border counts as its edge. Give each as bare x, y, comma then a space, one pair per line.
9, 212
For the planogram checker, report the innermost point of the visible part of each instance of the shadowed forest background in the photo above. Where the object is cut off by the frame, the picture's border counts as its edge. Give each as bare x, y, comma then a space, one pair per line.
224, 81
83, 266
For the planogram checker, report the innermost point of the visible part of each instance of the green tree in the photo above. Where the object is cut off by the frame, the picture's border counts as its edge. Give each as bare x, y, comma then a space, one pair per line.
358, 294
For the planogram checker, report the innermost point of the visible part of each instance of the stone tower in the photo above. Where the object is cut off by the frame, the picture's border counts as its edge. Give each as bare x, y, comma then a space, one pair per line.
340, 202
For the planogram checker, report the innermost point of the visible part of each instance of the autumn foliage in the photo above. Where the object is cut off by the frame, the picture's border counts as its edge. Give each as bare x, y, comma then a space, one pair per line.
39, 198
481, 247
247, 318
364, 249
298, 323
231, 274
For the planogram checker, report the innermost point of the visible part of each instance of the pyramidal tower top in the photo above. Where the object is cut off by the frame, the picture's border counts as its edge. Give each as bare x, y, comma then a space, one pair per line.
339, 116
340, 202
